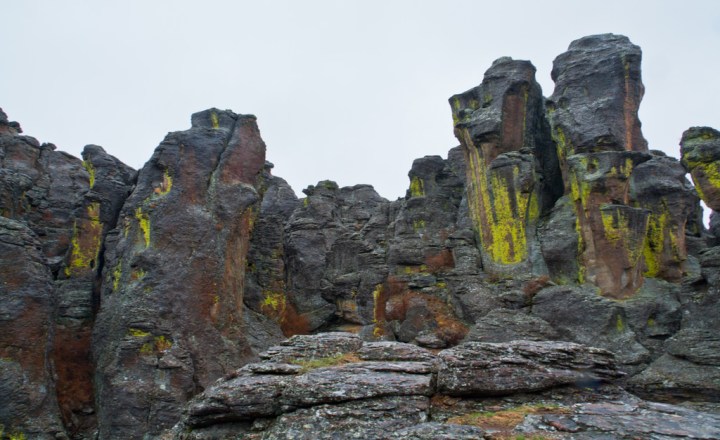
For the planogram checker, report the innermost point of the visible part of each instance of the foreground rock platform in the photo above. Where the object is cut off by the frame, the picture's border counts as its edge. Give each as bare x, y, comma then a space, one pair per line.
334, 385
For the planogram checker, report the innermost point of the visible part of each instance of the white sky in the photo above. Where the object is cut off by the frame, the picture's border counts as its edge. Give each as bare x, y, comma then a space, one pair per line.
351, 91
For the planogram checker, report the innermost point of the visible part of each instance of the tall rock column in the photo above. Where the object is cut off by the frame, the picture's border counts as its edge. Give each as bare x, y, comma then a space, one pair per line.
593, 113
502, 128
700, 152
170, 320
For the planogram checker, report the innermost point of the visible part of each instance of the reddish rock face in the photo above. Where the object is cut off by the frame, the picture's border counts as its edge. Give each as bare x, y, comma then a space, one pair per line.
501, 126
611, 233
659, 185
593, 114
28, 405
170, 319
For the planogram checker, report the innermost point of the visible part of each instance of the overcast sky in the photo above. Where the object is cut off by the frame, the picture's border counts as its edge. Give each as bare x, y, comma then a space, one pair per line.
351, 91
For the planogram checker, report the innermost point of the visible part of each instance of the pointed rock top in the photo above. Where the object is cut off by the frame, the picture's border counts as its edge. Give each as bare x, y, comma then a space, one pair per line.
217, 119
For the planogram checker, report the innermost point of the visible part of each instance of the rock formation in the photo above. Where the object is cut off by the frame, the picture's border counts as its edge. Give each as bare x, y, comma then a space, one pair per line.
136, 304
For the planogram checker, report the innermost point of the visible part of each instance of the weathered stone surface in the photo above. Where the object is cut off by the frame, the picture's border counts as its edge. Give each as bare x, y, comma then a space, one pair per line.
671, 376
487, 369
511, 165
361, 380
170, 321
78, 286
598, 89
243, 398
628, 420
265, 286
28, 406
322, 345
504, 325
659, 185
393, 351
700, 155
367, 419
439, 431
611, 233
701, 346
582, 316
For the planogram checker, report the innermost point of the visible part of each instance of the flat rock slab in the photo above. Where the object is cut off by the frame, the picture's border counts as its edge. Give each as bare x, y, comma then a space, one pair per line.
313, 346
641, 419
365, 419
486, 369
360, 381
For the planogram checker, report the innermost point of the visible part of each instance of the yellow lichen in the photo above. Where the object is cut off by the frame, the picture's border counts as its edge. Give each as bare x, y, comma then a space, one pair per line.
165, 185
619, 324
162, 344
417, 187
418, 224
137, 333
144, 222
499, 213
91, 172
214, 120
117, 274
376, 298
147, 348
85, 242
274, 304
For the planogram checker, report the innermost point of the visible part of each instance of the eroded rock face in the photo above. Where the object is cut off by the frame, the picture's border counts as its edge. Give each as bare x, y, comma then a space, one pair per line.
551, 222
335, 386
700, 150
28, 405
70, 205
511, 165
598, 89
170, 321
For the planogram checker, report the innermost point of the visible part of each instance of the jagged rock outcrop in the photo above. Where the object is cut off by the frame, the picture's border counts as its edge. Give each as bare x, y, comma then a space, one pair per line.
335, 386
593, 114
511, 165
70, 205
170, 319
28, 405
552, 222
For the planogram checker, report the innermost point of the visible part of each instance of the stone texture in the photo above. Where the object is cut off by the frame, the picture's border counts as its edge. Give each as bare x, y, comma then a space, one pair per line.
488, 369
28, 406
511, 165
505, 325
598, 89
170, 319
700, 155
659, 185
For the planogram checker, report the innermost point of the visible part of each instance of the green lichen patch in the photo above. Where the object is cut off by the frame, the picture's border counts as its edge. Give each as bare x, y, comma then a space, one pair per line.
91, 171
417, 187
144, 224
85, 242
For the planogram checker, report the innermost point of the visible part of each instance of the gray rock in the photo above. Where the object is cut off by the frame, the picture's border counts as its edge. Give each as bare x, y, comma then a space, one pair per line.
488, 369
504, 325
670, 376
439, 431
580, 315
364, 419
700, 346
322, 345
357, 381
